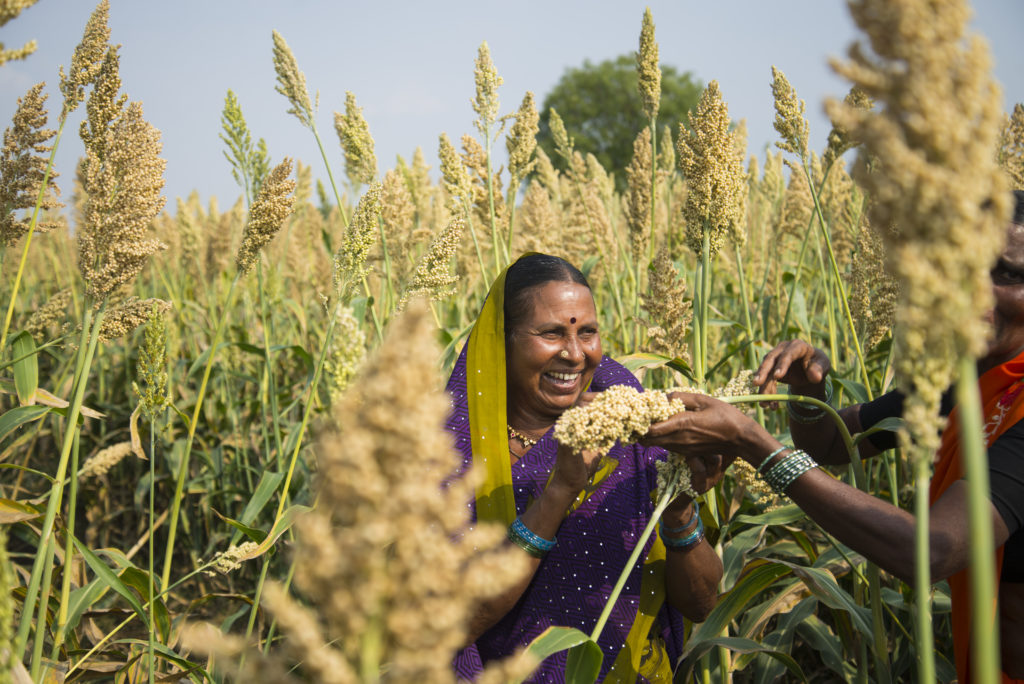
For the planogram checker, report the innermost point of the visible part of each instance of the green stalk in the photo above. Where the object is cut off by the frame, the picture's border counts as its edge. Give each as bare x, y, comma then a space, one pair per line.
65, 587
389, 303
698, 323
271, 387
705, 297
839, 281
984, 634
663, 502
476, 243
922, 572
179, 486
311, 391
496, 243
88, 341
28, 237
330, 176
44, 602
152, 589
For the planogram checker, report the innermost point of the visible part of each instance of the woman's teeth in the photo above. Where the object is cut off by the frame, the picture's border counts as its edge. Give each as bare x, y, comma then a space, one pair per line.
564, 377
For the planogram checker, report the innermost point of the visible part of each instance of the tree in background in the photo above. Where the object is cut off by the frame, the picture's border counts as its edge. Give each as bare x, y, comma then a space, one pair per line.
601, 109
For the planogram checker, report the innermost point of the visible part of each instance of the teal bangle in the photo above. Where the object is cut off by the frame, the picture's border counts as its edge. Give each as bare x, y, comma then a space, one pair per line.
679, 530
687, 542
523, 537
771, 456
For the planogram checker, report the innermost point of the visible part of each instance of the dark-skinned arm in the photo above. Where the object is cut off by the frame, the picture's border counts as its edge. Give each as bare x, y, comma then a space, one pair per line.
880, 531
691, 575
543, 517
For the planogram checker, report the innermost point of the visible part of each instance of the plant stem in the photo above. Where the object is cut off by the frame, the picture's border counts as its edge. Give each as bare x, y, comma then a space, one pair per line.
663, 502
65, 588
28, 237
90, 336
179, 486
984, 635
839, 281
922, 572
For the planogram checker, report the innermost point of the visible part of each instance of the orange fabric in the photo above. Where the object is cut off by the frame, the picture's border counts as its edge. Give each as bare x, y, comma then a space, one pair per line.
1002, 401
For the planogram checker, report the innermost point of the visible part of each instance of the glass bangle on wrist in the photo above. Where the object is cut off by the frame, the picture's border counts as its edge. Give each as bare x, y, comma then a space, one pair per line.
680, 530
785, 472
684, 543
523, 537
810, 413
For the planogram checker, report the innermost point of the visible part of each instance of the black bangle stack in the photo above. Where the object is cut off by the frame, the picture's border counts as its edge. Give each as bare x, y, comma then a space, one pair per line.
810, 413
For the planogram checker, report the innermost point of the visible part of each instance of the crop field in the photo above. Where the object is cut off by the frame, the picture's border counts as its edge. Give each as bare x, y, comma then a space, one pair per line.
215, 420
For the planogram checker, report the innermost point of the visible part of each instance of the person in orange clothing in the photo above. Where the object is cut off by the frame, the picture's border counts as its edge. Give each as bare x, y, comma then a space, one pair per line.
880, 531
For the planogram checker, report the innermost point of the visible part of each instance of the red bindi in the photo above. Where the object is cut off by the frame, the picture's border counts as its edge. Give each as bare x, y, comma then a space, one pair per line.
572, 320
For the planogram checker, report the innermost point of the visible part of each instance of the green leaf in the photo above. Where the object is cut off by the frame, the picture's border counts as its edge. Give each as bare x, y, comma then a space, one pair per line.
107, 576
639, 360
15, 511
742, 646
823, 641
268, 484
79, 601
167, 654
26, 369
18, 416
588, 265
26, 469
583, 663
784, 515
138, 579
891, 424
823, 585
555, 639
280, 527
756, 577
858, 393
253, 533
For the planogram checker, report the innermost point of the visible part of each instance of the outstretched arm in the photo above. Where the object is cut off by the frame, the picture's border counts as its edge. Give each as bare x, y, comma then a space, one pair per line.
879, 530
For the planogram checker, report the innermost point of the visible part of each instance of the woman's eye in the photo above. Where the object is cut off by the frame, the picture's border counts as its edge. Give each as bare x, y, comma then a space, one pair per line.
550, 335
1004, 276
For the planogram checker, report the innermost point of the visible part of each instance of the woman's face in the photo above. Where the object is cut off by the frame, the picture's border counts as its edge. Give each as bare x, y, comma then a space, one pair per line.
542, 380
1007, 315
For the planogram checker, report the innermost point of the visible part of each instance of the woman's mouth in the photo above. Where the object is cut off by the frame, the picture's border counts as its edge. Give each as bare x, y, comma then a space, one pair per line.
563, 380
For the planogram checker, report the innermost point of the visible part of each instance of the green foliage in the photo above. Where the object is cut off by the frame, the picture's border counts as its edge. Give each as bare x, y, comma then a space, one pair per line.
249, 163
603, 112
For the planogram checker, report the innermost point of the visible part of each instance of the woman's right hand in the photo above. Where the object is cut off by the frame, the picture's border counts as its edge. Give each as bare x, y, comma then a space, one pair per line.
795, 363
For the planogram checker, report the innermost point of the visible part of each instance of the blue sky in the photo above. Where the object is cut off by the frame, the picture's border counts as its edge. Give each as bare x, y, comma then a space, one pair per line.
410, 64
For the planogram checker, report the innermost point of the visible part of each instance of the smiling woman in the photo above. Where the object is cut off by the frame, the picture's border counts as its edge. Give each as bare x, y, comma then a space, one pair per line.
534, 352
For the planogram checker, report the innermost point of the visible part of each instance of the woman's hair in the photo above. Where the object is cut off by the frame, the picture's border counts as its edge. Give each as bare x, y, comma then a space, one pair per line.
1018, 210
530, 272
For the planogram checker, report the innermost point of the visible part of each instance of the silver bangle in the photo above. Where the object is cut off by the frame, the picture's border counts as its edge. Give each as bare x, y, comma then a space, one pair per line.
780, 476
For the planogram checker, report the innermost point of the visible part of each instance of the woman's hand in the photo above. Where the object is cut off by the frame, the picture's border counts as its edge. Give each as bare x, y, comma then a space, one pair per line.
795, 363
708, 429
573, 469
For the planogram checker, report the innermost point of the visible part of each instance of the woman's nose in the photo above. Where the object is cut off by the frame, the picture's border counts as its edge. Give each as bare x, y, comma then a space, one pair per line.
574, 348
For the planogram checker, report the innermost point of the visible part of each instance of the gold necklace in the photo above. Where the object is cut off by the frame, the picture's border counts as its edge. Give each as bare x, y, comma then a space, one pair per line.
516, 434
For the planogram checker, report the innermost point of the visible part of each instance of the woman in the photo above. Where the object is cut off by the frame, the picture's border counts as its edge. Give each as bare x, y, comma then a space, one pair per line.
534, 352
880, 531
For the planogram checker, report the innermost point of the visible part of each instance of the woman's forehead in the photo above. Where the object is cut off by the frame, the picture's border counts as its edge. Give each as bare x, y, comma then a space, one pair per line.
553, 296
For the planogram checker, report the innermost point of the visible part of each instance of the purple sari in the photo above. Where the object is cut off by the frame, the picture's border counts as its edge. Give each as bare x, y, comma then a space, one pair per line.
574, 580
